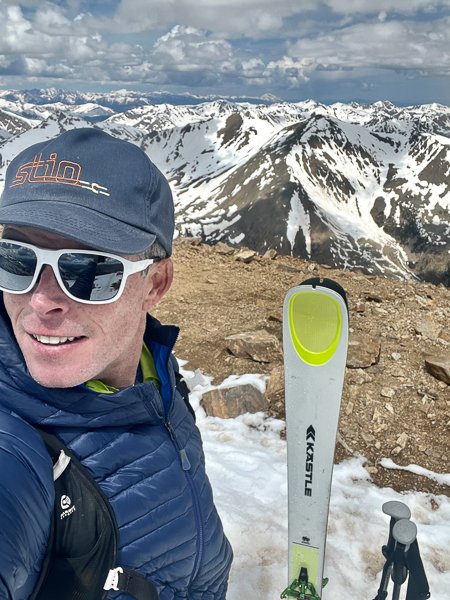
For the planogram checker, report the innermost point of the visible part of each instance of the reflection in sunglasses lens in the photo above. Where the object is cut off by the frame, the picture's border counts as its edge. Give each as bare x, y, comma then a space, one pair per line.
90, 276
17, 266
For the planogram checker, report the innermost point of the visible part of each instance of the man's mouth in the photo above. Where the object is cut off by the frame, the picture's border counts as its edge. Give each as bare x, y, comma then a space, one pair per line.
53, 340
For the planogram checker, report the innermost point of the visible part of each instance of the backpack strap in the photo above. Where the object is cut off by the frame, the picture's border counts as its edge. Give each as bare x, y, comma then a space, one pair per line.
131, 582
64, 577
184, 390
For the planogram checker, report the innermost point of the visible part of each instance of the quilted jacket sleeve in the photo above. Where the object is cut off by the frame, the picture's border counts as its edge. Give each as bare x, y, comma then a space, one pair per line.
26, 502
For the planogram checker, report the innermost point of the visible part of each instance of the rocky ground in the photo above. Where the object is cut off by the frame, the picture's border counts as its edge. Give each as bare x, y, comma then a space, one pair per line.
393, 408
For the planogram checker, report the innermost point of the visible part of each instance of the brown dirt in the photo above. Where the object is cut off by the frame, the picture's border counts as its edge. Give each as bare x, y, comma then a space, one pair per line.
214, 296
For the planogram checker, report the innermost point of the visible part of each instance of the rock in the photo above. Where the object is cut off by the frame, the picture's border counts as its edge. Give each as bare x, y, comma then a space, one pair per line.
270, 254
276, 316
362, 352
275, 386
311, 268
380, 427
340, 440
371, 470
397, 372
260, 346
371, 297
421, 301
222, 248
389, 407
368, 437
190, 241
402, 440
387, 393
245, 256
443, 335
428, 327
439, 367
396, 356
376, 416
228, 403
361, 307
361, 377
289, 269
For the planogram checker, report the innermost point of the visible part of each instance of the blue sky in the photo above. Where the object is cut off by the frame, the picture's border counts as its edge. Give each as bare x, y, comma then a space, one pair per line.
330, 50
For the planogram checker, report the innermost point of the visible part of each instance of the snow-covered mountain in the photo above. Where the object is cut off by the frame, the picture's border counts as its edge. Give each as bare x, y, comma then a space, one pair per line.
117, 100
352, 186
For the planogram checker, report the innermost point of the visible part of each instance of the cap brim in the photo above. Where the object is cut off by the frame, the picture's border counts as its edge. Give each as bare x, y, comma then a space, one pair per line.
80, 224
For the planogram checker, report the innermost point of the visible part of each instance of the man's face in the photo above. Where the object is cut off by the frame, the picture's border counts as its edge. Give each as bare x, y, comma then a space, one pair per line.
108, 337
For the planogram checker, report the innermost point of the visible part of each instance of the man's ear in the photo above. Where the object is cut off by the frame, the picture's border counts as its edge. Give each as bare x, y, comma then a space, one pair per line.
159, 278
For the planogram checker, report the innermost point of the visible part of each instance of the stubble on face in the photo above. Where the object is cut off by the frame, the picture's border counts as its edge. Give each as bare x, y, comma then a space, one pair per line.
108, 338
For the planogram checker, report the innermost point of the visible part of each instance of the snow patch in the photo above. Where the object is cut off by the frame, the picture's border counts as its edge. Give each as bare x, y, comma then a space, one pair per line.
298, 218
388, 463
246, 463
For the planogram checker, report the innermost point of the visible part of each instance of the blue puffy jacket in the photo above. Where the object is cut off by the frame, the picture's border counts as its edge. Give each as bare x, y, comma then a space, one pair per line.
144, 450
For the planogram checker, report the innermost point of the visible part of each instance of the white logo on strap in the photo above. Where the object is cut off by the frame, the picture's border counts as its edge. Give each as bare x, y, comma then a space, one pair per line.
65, 505
65, 502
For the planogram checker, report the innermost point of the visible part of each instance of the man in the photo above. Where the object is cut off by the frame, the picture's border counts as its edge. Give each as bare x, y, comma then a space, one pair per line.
85, 254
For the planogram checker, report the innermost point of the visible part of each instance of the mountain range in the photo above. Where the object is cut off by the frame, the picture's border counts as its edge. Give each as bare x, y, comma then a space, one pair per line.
348, 185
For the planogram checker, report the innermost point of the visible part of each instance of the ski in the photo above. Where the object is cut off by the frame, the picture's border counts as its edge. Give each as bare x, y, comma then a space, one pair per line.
315, 340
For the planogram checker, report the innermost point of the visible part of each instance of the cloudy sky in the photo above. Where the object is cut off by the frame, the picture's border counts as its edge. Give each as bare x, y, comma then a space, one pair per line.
330, 50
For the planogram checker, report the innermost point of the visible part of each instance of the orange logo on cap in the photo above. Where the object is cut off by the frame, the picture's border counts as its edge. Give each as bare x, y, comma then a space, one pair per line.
49, 171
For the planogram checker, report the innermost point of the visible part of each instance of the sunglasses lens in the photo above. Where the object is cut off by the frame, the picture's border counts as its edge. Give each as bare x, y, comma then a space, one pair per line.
91, 276
17, 266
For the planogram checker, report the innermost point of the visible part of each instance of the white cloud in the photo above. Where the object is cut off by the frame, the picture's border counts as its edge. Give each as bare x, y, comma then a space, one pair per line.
390, 45
225, 18
400, 7
189, 55
222, 44
289, 70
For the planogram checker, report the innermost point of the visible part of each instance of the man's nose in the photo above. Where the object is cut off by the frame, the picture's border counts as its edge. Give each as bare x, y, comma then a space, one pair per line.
47, 297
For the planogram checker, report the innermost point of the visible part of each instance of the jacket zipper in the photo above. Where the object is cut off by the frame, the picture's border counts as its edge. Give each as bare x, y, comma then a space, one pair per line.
185, 465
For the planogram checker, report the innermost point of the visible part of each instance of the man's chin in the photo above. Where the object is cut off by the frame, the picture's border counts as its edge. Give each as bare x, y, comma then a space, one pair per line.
54, 379
55, 383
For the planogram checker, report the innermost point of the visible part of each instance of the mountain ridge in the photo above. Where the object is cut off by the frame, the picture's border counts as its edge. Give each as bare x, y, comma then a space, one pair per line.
352, 186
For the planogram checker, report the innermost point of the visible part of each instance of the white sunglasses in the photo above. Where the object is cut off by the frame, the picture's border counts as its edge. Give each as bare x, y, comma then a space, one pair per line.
86, 276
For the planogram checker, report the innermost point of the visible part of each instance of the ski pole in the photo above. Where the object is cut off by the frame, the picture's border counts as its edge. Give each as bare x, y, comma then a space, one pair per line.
397, 511
404, 533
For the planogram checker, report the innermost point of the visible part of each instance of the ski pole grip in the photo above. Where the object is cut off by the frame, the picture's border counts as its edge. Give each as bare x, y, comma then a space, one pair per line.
396, 510
404, 532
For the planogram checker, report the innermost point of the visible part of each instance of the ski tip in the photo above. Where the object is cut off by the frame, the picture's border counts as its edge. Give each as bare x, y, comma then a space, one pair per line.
329, 284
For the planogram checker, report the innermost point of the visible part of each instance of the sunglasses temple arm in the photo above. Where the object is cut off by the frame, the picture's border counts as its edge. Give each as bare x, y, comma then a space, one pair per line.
140, 265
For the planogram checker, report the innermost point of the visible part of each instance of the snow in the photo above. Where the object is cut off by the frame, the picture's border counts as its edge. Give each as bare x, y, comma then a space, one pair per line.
246, 463
298, 218
220, 153
388, 463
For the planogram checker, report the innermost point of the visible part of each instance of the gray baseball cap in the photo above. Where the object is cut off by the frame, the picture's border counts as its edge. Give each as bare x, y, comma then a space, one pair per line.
93, 188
